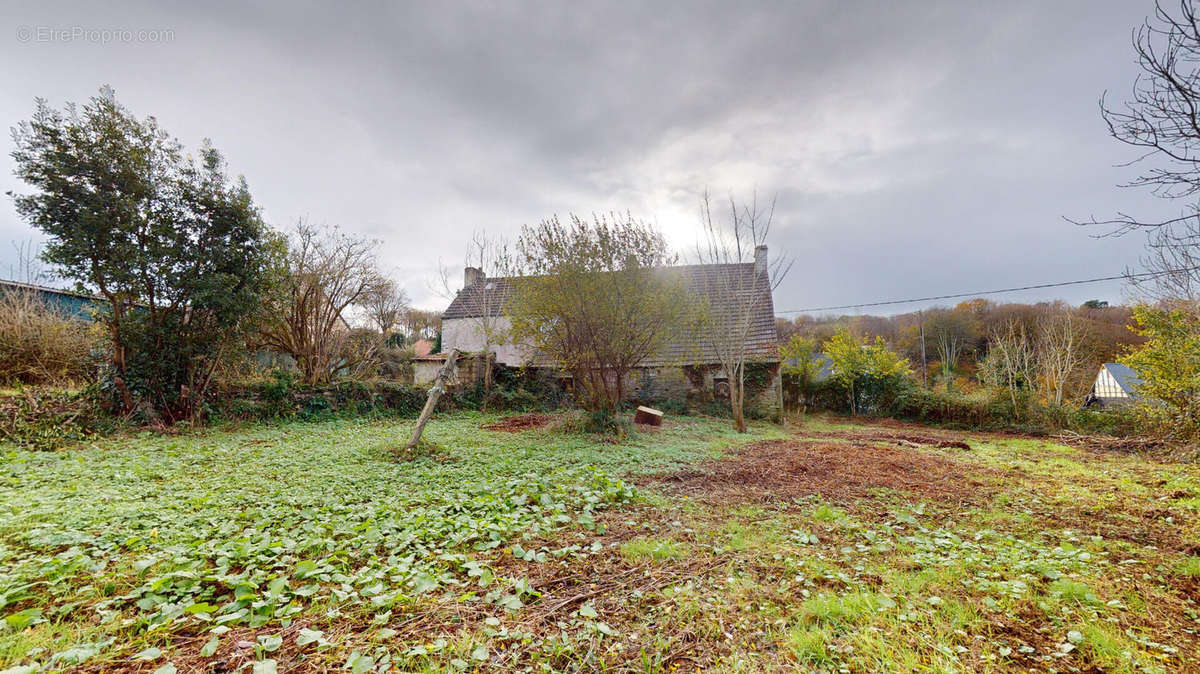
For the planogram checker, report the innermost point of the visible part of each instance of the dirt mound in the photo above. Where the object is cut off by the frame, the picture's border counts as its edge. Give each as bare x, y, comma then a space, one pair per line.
783, 469
520, 422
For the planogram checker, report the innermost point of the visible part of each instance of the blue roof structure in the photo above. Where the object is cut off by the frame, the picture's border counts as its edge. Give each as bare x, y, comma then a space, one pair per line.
70, 303
1126, 378
824, 366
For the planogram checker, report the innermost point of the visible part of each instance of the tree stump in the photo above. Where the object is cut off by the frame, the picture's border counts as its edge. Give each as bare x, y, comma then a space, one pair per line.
648, 416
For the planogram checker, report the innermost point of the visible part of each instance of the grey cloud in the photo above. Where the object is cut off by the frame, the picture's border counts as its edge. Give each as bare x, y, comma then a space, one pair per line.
916, 148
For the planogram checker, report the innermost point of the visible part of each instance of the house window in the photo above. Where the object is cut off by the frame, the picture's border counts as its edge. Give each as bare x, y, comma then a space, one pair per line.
721, 388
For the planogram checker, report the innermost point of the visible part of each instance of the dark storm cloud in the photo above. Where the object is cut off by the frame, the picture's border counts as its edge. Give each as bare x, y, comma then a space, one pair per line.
916, 148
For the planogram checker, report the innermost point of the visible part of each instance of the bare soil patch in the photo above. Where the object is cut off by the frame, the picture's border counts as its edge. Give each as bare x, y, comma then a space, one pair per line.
520, 422
782, 469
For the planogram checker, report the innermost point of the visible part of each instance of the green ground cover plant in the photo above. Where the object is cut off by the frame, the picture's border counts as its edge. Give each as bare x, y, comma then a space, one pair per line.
309, 547
108, 549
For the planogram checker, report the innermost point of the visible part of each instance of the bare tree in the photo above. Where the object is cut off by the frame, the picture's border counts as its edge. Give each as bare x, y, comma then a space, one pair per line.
738, 299
386, 306
486, 256
29, 268
1010, 361
325, 273
1060, 352
1172, 265
954, 332
421, 324
1161, 120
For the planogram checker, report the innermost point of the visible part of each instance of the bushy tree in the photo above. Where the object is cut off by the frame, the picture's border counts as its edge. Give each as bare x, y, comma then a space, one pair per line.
177, 248
867, 372
798, 356
592, 297
1169, 364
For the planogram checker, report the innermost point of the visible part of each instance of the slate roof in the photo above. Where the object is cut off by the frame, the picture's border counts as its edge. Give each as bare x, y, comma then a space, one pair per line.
488, 294
1126, 378
726, 286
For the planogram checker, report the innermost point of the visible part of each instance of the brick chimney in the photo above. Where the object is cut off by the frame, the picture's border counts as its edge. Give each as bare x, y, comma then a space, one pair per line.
471, 276
760, 260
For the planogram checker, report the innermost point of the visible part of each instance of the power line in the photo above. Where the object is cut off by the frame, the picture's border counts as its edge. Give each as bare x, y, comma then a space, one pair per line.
987, 292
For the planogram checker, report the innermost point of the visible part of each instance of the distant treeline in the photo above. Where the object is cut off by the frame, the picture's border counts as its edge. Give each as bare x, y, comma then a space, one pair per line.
957, 339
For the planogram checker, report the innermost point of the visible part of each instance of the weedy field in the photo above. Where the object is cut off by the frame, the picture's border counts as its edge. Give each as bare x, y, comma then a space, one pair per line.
511, 546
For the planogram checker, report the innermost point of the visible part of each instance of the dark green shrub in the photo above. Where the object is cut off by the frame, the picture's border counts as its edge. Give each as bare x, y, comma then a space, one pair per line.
614, 427
50, 419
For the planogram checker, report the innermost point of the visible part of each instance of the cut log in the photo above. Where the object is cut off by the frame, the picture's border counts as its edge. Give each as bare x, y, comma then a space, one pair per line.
444, 375
648, 416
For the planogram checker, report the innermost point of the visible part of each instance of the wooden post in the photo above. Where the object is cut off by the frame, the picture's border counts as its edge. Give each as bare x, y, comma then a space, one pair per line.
435, 392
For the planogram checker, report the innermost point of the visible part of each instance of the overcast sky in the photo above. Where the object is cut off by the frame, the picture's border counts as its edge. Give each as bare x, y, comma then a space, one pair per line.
915, 148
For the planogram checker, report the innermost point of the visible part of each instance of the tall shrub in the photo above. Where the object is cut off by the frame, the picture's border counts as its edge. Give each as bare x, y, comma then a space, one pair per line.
39, 343
869, 374
1169, 364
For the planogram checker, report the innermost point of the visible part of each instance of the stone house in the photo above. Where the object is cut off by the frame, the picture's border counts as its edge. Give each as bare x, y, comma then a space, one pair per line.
685, 370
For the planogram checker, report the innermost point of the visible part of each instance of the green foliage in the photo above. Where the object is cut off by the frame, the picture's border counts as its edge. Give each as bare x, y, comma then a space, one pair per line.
602, 422
37, 418
520, 389
592, 297
869, 374
178, 250
797, 354
997, 409
1169, 364
160, 535
281, 397
652, 549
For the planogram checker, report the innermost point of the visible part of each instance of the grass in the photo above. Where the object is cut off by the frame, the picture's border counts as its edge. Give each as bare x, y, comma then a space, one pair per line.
310, 547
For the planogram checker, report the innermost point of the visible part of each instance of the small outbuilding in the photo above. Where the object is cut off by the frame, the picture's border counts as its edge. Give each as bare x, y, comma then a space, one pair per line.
1115, 384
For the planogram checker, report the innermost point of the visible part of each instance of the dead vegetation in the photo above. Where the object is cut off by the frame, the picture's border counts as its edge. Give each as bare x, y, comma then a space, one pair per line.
520, 422
785, 469
1133, 444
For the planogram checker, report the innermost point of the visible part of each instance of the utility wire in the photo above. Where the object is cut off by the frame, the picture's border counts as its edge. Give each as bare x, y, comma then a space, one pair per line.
988, 292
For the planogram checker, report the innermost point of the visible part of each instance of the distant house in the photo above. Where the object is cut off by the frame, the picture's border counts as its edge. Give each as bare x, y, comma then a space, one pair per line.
426, 366
685, 368
1115, 384
69, 302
